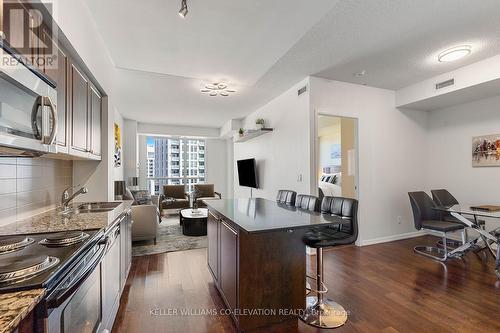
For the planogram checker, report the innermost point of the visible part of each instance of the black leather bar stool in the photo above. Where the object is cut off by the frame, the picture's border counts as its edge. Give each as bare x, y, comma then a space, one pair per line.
321, 312
286, 197
308, 203
427, 218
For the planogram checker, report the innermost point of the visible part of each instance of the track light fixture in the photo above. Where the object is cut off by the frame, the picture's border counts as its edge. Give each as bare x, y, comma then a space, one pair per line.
184, 9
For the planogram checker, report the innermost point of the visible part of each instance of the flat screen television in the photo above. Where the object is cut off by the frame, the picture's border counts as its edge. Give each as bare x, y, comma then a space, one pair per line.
247, 173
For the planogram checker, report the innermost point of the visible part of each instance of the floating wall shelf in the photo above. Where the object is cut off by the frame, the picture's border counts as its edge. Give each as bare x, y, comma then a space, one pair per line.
251, 134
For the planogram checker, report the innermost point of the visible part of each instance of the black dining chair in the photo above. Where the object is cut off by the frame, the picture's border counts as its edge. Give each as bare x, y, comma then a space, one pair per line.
322, 312
445, 199
286, 197
426, 217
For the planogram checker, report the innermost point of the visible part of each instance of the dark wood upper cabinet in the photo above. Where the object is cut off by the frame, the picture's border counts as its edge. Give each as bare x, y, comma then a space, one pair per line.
79, 111
95, 103
79, 101
15, 23
56, 68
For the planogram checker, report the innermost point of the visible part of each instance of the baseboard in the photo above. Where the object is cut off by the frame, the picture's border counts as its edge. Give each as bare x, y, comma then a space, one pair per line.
391, 238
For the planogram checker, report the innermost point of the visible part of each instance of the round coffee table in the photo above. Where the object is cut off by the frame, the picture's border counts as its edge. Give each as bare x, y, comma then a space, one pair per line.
194, 222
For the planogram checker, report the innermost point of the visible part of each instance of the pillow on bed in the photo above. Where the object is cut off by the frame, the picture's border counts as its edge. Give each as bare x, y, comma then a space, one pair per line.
333, 179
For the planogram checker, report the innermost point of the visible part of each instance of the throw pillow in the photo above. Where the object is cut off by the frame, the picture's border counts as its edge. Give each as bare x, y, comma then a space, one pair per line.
142, 197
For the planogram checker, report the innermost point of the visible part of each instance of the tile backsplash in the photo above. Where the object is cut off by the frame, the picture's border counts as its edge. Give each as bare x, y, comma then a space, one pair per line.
29, 186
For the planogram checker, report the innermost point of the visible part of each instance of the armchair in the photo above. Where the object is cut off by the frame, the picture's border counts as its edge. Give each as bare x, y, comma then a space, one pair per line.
146, 219
176, 197
205, 192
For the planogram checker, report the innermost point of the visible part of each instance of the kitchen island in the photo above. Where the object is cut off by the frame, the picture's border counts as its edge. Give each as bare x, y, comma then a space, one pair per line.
257, 258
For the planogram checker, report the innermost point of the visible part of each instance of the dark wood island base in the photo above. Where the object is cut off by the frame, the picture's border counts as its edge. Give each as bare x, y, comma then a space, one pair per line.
258, 267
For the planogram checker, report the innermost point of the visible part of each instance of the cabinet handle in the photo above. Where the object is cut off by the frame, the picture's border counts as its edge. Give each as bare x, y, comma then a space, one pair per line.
215, 217
229, 227
53, 111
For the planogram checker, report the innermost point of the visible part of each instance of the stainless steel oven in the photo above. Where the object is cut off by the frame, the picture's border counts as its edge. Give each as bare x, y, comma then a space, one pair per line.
74, 305
28, 116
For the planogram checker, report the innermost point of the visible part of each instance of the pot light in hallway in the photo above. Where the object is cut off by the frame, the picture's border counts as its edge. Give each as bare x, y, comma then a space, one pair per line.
218, 88
184, 9
454, 53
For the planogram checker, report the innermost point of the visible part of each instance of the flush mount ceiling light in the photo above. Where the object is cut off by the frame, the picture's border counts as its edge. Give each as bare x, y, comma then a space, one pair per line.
454, 53
217, 88
184, 9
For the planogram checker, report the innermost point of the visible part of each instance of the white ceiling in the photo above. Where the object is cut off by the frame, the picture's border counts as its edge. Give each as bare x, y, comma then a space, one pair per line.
263, 47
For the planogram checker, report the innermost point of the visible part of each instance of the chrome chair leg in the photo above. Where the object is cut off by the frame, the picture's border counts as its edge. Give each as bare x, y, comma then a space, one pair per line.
321, 312
436, 253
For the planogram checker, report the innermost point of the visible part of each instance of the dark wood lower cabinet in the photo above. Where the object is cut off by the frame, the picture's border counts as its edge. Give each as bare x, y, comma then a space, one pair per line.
260, 276
213, 240
229, 264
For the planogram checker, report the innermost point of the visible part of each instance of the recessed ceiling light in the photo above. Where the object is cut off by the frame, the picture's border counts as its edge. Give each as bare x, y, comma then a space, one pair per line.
184, 9
218, 88
454, 53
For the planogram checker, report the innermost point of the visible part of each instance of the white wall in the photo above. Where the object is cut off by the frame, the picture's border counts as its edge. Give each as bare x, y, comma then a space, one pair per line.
449, 163
216, 166
282, 155
130, 149
392, 148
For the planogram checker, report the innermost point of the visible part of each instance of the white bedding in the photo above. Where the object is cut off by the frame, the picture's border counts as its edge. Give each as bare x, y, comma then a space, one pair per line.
330, 190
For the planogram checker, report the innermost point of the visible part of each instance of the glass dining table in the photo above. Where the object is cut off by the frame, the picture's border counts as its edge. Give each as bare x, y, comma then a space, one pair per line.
470, 217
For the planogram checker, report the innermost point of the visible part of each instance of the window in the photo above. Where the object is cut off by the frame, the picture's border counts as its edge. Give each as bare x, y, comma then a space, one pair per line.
175, 161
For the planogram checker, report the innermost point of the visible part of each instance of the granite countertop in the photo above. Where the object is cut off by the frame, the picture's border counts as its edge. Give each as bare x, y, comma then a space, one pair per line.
15, 306
53, 220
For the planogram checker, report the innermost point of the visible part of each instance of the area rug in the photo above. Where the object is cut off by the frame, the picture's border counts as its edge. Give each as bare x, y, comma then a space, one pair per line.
169, 239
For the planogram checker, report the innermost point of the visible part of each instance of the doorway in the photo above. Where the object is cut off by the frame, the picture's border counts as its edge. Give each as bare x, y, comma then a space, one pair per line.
336, 170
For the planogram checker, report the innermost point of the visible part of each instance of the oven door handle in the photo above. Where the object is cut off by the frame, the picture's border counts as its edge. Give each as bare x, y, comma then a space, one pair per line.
57, 298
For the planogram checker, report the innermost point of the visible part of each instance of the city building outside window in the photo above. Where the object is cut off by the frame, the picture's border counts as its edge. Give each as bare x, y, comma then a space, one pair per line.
175, 161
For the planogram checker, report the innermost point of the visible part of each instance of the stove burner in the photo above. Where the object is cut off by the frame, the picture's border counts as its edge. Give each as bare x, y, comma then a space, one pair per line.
65, 238
13, 243
15, 268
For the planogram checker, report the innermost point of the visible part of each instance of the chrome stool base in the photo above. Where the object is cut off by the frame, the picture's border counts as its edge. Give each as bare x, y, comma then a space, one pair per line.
324, 314
431, 252
308, 288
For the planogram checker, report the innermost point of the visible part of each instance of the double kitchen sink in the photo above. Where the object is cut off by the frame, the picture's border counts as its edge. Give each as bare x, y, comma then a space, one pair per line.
91, 207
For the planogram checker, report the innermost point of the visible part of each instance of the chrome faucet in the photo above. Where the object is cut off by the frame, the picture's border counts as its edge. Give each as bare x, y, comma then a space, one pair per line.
66, 198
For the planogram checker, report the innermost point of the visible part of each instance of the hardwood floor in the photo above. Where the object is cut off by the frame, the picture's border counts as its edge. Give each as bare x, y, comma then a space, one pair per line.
386, 288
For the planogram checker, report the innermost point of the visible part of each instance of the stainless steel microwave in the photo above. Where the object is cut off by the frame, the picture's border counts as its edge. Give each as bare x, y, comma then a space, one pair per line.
28, 116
